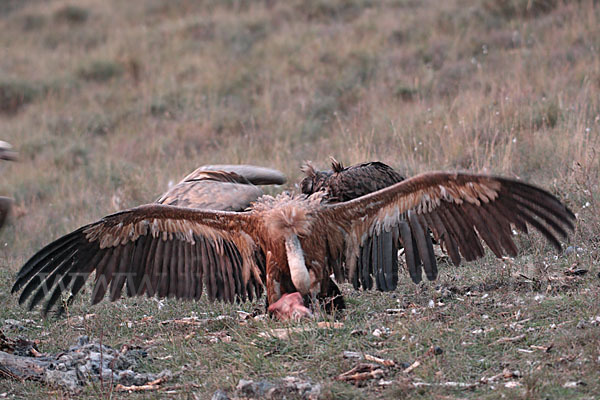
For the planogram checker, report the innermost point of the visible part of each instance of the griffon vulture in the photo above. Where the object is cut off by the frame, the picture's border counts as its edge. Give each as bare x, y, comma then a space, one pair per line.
284, 243
379, 254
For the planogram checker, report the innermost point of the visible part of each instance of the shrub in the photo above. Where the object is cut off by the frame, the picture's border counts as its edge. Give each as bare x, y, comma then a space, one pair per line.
100, 71
14, 94
72, 14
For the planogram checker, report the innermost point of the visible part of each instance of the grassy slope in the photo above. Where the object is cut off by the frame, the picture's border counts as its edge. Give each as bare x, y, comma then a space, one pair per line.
107, 102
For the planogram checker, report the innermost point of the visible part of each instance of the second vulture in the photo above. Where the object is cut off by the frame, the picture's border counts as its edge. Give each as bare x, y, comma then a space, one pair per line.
287, 244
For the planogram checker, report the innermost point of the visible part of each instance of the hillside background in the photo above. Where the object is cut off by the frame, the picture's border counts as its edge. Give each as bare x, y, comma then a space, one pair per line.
109, 102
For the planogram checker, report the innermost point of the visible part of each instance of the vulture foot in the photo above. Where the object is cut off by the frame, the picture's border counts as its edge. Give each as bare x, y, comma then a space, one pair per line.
290, 306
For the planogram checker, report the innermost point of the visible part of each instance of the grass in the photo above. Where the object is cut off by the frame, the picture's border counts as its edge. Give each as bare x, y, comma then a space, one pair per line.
109, 102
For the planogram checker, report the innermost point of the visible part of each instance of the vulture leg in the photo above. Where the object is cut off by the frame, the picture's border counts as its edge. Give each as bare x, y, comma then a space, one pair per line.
331, 296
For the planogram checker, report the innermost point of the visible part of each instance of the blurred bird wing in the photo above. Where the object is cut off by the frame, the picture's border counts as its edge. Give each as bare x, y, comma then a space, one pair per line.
152, 249
5, 207
254, 174
209, 187
459, 208
7, 152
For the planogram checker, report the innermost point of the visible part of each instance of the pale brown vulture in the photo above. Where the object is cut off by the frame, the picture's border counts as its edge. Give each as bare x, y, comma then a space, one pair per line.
285, 242
378, 256
6, 153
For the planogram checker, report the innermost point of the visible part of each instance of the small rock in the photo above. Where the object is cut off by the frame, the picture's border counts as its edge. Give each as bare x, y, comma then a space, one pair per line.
574, 384
12, 324
437, 350
352, 354
220, 395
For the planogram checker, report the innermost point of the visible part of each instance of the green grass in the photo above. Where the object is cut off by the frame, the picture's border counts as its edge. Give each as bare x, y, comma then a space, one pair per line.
109, 102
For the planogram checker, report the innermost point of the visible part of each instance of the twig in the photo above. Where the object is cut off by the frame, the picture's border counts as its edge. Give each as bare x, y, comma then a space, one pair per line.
154, 385
508, 340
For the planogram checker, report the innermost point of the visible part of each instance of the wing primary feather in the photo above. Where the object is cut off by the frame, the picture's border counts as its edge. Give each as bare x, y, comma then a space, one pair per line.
468, 227
211, 276
47, 284
443, 235
409, 252
377, 260
79, 272
504, 226
164, 262
140, 246
394, 277
32, 266
104, 276
185, 274
366, 280
43, 272
237, 272
388, 257
83, 270
155, 267
107, 255
524, 213
507, 209
544, 199
120, 275
143, 277
499, 229
419, 236
229, 281
198, 271
180, 266
483, 226
431, 270
175, 263
544, 215
221, 294
359, 267
467, 238
455, 232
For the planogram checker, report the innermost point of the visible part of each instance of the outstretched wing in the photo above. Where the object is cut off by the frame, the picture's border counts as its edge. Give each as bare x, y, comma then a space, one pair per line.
154, 250
460, 209
221, 187
254, 174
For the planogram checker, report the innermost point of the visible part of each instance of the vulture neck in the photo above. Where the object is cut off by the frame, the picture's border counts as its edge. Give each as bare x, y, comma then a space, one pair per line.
295, 258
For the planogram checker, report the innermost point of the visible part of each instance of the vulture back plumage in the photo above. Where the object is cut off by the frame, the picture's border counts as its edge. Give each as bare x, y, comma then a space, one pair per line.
283, 243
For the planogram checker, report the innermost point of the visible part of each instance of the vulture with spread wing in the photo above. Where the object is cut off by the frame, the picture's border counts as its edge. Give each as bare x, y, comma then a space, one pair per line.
378, 256
284, 243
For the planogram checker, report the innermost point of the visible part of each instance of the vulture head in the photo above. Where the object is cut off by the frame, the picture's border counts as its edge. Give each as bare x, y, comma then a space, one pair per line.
190, 242
314, 180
